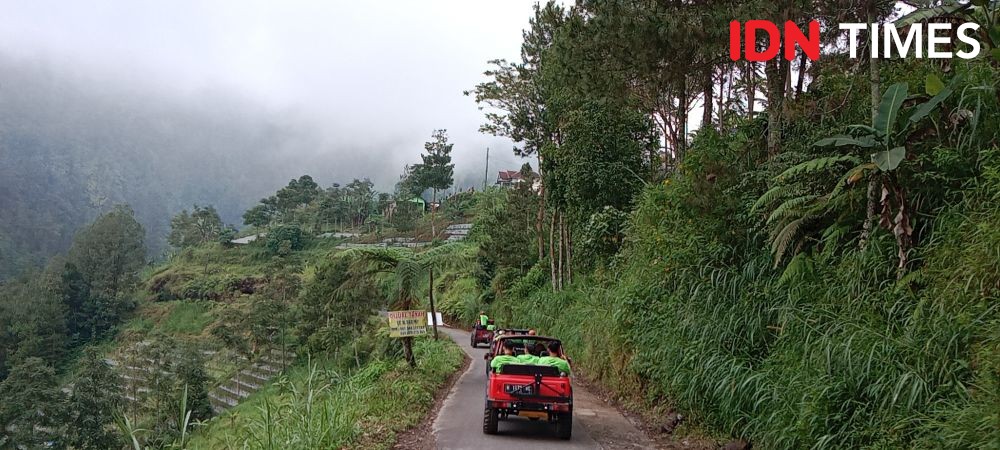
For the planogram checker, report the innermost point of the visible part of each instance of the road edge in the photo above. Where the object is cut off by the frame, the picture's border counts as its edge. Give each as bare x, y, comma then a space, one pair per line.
643, 420
421, 436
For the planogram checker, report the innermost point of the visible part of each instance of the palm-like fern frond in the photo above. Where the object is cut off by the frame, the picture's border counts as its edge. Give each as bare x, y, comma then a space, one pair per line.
786, 236
800, 267
376, 259
816, 165
790, 206
408, 267
449, 256
776, 192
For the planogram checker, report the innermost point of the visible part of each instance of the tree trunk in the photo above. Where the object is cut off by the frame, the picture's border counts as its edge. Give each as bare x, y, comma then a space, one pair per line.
751, 82
569, 252
552, 250
786, 91
682, 119
871, 209
559, 267
434, 197
408, 351
777, 75
800, 83
665, 129
430, 295
540, 219
708, 87
725, 91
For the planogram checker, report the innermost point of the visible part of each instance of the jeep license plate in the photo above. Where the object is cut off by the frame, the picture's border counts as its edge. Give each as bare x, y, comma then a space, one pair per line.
519, 389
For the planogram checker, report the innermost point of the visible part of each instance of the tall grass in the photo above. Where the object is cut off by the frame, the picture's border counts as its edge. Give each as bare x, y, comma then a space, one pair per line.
318, 406
843, 356
836, 352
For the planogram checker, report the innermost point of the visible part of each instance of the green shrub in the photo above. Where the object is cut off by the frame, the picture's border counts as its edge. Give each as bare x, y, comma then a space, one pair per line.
284, 239
460, 299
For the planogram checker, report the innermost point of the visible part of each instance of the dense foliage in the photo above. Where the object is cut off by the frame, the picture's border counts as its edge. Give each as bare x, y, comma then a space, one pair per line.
819, 274
200, 226
303, 203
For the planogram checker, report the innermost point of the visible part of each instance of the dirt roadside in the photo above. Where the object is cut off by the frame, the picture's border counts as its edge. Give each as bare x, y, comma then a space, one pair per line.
421, 437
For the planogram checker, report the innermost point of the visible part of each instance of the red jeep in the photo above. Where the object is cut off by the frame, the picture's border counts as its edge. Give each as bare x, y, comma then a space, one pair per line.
532, 391
480, 334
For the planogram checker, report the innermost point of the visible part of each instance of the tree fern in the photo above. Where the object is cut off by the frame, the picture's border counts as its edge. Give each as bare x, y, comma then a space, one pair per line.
786, 237
789, 207
816, 165
776, 192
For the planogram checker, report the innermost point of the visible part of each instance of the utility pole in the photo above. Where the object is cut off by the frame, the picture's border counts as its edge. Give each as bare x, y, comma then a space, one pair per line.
486, 176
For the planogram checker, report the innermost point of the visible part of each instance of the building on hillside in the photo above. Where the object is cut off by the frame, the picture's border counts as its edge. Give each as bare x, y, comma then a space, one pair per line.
419, 201
247, 239
512, 178
392, 207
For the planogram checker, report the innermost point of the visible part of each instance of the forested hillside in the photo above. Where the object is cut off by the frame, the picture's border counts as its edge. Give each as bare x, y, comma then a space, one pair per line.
99, 348
73, 146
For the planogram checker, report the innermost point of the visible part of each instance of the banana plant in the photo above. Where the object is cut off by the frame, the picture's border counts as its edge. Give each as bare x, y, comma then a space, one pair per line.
887, 138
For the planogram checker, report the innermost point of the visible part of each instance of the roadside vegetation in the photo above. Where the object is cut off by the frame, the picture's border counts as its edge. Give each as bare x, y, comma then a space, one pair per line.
319, 405
817, 274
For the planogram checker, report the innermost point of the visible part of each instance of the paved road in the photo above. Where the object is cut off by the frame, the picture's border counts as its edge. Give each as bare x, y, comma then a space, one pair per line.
459, 424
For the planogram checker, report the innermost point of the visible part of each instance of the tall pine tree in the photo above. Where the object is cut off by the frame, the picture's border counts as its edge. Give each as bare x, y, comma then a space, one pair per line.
93, 405
436, 172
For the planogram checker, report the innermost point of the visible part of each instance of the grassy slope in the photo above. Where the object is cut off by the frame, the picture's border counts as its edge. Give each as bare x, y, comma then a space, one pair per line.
834, 354
350, 407
840, 355
317, 406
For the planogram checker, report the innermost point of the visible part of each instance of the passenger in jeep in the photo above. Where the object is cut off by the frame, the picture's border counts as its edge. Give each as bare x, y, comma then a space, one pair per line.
556, 358
528, 357
507, 357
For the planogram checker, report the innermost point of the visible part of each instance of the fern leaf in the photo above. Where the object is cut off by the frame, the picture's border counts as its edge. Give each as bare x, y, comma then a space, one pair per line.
831, 238
770, 196
817, 165
790, 206
784, 239
800, 267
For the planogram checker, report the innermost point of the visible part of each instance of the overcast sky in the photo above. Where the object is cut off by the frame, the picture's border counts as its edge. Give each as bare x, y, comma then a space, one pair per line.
380, 72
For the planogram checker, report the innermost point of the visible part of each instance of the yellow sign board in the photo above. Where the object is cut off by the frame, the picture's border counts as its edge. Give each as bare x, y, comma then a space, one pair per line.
407, 323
